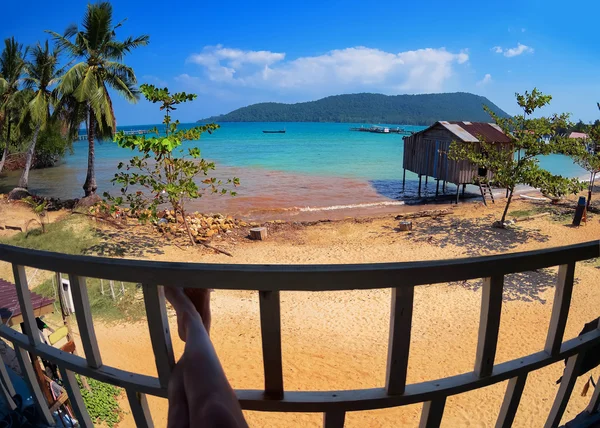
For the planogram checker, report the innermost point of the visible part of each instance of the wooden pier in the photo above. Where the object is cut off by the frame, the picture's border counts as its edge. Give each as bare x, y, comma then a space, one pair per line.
83, 137
382, 130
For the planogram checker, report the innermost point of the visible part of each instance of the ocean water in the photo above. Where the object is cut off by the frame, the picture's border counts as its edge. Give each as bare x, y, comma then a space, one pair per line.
313, 167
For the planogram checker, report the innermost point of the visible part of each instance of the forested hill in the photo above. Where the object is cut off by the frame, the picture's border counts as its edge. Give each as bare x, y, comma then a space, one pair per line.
369, 108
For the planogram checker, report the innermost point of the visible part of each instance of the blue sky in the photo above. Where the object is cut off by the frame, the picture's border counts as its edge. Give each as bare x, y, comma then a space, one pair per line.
237, 53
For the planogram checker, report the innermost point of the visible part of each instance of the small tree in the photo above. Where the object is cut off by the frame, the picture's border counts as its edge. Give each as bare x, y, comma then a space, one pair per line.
167, 178
40, 209
589, 159
531, 137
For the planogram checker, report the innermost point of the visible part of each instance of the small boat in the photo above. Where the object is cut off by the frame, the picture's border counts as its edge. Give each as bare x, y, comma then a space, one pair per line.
281, 131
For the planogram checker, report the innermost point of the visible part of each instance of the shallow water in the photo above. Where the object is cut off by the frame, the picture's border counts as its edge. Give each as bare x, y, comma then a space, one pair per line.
313, 168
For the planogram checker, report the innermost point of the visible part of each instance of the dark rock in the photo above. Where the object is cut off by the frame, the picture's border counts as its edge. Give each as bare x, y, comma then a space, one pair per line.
88, 202
18, 193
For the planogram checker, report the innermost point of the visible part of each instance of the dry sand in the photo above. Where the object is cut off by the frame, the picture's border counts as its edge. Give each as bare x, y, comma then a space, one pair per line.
338, 340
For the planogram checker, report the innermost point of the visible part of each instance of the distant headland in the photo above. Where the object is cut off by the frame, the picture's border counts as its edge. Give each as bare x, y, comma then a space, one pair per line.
422, 109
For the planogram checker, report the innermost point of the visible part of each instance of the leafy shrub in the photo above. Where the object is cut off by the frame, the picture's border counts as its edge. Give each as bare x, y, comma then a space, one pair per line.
101, 402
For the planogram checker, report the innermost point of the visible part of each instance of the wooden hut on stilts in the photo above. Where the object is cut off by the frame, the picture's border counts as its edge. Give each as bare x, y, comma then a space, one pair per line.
426, 154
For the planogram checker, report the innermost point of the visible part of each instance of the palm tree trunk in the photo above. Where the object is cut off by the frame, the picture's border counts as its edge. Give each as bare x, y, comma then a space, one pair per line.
89, 187
7, 143
4, 155
24, 180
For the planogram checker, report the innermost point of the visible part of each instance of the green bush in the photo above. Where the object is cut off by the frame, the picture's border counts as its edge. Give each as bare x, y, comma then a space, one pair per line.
101, 402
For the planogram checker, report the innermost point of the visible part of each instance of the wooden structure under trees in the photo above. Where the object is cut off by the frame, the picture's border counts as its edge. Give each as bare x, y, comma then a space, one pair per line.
394, 388
426, 153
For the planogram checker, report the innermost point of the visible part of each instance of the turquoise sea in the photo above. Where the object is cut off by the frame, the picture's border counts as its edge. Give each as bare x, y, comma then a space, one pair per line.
312, 167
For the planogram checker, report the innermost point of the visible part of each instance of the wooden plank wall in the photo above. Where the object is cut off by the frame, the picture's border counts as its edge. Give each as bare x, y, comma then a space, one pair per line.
426, 153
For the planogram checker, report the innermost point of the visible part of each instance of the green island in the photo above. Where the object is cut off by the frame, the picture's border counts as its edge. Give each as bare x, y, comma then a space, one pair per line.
422, 109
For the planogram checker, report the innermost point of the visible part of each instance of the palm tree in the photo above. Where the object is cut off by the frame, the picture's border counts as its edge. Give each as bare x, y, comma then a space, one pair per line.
100, 68
12, 64
41, 73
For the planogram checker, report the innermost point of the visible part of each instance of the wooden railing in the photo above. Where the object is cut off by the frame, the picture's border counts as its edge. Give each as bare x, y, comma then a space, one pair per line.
402, 278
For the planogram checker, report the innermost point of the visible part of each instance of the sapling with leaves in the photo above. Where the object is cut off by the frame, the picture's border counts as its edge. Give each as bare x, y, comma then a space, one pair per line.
163, 172
40, 209
531, 138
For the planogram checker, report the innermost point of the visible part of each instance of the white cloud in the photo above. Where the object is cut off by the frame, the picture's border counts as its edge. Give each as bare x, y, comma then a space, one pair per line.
341, 70
486, 79
221, 63
520, 49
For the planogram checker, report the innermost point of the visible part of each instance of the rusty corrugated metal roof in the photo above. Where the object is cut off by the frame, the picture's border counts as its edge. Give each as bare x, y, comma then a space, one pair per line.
459, 131
490, 132
9, 302
581, 135
471, 131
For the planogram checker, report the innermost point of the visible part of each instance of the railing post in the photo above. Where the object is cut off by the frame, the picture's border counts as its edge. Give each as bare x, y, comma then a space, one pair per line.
139, 409
564, 391
160, 335
560, 308
334, 419
75, 398
85, 322
270, 326
594, 405
512, 398
431, 415
24, 296
489, 325
31, 381
399, 339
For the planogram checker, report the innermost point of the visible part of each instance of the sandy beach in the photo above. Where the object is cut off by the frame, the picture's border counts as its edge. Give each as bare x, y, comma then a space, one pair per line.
338, 340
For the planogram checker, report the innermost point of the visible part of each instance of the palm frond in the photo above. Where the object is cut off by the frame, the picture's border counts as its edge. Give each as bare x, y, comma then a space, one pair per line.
63, 43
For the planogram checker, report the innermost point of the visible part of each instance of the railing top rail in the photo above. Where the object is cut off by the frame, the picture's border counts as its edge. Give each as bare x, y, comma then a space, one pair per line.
299, 277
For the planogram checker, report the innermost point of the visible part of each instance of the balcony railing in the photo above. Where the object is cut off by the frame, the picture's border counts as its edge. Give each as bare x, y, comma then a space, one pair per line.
269, 280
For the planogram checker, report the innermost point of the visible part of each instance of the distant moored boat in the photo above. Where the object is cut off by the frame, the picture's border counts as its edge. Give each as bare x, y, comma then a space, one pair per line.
281, 131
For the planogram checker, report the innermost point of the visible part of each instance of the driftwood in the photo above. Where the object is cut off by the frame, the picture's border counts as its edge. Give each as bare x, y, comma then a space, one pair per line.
531, 217
216, 249
106, 219
428, 213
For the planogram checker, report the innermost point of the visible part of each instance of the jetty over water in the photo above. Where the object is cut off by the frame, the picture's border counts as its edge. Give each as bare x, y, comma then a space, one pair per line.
382, 130
394, 390
83, 137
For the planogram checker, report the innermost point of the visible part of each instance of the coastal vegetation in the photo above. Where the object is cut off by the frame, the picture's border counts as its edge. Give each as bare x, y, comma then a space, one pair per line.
162, 168
100, 67
531, 138
421, 109
589, 159
41, 73
42, 105
12, 65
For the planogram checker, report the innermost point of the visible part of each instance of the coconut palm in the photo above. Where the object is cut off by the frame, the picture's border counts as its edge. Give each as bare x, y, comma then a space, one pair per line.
12, 64
99, 69
41, 73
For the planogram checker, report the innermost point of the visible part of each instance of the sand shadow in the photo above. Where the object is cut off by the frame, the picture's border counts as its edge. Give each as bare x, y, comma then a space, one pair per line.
476, 236
115, 244
393, 189
522, 286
